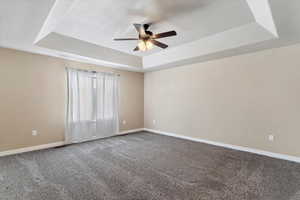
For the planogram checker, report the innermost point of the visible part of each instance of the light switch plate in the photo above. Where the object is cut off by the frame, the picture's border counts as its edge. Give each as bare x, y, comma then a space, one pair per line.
271, 138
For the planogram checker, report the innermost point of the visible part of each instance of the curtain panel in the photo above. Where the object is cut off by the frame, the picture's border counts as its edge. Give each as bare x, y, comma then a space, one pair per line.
93, 105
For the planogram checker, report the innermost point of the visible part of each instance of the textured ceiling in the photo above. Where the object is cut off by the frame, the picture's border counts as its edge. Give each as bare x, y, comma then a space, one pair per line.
98, 22
207, 29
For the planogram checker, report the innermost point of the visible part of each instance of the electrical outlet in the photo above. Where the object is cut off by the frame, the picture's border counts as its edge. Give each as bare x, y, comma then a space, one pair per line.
271, 138
34, 132
154, 122
124, 122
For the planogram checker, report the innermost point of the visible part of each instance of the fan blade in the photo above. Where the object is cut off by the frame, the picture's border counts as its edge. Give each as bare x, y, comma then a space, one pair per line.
138, 27
136, 49
120, 39
159, 44
165, 34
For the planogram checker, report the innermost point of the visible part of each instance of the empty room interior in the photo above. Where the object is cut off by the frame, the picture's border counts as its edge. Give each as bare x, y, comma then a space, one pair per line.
150, 100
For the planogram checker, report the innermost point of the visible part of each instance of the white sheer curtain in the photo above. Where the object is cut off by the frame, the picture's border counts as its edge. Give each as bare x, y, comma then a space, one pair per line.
93, 105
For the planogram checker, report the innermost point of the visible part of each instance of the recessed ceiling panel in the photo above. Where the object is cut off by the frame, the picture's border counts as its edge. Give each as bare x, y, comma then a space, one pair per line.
83, 30
98, 22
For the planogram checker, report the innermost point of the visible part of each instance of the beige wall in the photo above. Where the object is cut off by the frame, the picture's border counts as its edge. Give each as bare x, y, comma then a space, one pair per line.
238, 100
33, 96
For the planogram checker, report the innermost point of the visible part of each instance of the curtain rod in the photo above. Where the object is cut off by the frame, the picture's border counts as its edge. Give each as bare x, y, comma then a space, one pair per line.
93, 71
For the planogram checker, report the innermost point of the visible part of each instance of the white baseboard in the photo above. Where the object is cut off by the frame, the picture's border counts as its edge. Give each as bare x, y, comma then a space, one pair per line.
235, 147
33, 148
131, 131
51, 145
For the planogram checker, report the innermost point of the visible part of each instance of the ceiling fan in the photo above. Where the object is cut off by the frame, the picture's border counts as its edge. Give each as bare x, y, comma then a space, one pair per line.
146, 39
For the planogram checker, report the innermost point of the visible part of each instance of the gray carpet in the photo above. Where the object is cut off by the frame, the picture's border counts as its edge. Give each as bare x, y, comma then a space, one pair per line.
146, 166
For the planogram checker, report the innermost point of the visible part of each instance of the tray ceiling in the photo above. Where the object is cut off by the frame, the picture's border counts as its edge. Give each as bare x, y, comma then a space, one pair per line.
207, 29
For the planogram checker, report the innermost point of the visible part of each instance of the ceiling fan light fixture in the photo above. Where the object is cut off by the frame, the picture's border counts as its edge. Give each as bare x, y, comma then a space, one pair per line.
149, 44
142, 45
145, 45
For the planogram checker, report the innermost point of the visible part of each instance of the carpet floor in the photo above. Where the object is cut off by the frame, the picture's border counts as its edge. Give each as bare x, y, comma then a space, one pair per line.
146, 166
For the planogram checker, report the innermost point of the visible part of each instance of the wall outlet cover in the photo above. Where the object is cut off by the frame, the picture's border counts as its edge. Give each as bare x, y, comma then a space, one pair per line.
34, 132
